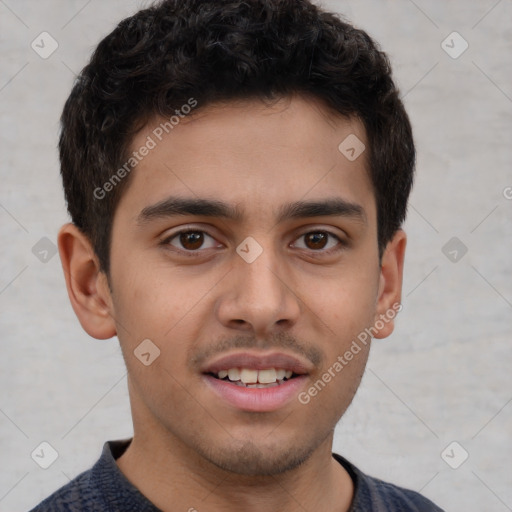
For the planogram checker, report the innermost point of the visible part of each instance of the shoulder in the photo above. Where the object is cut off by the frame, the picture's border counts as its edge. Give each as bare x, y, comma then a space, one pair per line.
99, 489
87, 492
76, 495
393, 498
373, 494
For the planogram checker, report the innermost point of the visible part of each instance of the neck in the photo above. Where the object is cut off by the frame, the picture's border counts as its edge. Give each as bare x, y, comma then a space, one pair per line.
173, 477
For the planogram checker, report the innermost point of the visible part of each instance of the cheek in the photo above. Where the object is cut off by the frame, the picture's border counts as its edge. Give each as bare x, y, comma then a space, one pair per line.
153, 302
345, 302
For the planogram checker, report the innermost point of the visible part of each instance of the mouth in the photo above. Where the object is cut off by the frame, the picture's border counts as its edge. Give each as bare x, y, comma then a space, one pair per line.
256, 382
255, 379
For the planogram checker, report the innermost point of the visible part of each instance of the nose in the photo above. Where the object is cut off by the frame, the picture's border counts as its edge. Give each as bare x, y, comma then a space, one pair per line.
258, 298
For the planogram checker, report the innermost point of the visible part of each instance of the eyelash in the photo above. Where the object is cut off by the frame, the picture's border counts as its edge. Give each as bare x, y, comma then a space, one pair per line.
194, 253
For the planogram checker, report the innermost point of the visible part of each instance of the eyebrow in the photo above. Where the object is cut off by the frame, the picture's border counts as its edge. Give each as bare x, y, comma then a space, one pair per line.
176, 206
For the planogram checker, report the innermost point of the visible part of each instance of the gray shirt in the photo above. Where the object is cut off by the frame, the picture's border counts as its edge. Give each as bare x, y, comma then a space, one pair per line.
103, 488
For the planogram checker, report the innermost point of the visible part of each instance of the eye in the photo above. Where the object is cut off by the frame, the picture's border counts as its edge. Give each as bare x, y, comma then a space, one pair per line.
317, 241
191, 240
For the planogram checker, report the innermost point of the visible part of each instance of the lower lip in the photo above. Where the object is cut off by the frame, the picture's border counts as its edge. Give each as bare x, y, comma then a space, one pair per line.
256, 399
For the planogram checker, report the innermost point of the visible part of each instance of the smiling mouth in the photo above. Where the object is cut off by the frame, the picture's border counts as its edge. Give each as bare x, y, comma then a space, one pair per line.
253, 381
251, 378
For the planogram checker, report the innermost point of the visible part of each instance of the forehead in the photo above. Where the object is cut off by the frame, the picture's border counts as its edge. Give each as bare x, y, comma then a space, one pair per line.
251, 154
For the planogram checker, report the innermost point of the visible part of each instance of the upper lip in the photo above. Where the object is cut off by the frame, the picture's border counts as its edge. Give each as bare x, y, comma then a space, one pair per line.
258, 361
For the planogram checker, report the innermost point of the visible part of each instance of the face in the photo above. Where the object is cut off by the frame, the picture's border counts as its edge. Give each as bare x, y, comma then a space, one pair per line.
245, 249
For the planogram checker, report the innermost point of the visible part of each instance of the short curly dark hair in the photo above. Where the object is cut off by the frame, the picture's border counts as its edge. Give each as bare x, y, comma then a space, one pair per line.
216, 50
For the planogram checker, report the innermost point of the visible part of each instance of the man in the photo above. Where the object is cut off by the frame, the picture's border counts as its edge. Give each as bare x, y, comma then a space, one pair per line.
237, 174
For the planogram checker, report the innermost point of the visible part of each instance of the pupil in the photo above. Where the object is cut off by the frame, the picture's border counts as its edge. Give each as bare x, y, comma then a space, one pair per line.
192, 240
316, 240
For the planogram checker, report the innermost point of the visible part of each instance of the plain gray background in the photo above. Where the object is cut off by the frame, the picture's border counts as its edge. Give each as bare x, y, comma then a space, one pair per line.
442, 377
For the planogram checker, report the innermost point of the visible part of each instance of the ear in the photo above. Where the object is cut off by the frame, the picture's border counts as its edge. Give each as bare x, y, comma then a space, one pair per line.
87, 286
390, 285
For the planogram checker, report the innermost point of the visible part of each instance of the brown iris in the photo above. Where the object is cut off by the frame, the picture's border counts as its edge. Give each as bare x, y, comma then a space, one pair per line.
316, 240
192, 240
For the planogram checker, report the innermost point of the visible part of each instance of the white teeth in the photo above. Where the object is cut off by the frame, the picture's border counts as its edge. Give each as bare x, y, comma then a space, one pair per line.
248, 376
234, 374
259, 386
267, 376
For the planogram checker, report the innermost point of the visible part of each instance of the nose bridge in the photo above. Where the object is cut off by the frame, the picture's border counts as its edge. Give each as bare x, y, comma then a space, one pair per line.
258, 298
259, 279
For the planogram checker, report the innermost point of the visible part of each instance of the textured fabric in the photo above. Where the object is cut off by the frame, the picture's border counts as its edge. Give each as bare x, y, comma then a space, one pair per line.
374, 495
104, 488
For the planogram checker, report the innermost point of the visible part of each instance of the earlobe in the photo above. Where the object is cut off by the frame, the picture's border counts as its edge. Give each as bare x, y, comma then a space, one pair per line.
390, 285
87, 286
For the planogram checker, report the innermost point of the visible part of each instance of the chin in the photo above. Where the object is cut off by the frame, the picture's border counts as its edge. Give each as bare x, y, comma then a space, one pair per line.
250, 459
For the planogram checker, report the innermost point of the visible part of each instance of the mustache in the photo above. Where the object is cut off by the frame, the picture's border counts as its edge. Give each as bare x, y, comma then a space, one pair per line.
280, 340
